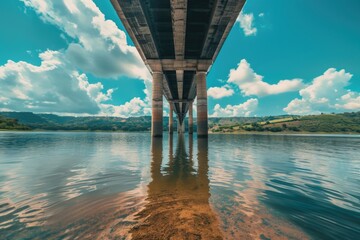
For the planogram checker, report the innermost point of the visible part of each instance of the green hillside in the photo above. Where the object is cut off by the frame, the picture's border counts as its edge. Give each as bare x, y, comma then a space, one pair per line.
232, 120
325, 123
11, 124
55, 122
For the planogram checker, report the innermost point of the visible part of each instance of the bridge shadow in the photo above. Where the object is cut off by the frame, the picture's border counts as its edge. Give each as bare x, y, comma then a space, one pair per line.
178, 196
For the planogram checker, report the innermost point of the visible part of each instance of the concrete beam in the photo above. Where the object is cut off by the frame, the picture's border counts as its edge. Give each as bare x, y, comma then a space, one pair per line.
202, 111
223, 19
180, 84
133, 18
166, 89
157, 105
178, 12
192, 90
175, 64
180, 101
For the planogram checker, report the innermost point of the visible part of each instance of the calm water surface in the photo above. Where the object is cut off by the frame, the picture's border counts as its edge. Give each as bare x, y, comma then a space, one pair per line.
121, 185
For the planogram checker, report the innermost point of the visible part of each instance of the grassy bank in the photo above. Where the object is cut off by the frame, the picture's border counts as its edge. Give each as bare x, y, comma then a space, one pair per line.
345, 123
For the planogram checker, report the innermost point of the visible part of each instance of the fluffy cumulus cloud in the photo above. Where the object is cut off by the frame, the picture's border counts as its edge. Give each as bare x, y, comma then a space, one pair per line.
100, 47
252, 84
48, 87
59, 84
135, 107
326, 93
220, 92
246, 22
244, 109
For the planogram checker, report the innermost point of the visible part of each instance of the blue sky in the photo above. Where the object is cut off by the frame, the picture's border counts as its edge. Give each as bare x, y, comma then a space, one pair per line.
281, 57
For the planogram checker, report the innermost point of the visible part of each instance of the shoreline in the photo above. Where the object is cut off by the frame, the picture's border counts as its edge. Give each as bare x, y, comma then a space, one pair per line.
63, 130
284, 133
210, 133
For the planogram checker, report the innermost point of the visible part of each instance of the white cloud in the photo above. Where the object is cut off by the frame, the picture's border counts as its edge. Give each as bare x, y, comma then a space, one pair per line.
220, 92
100, 48
261, 14
135, 107
326, 93
71, 6
246, 22
349, 101
250, 83
58, 84
244, 109
53, 86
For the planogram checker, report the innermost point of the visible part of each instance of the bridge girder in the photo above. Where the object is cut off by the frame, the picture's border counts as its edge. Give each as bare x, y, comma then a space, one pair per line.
179, 38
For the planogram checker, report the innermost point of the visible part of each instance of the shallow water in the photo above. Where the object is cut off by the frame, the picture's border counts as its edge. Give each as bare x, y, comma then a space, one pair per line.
74, 185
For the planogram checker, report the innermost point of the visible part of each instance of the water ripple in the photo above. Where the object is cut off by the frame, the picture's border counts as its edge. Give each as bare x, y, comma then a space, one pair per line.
108, 185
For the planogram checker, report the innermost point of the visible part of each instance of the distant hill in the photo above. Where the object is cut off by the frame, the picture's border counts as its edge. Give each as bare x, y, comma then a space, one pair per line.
327, 123
25, 117
232, 120
11, 124
55, 122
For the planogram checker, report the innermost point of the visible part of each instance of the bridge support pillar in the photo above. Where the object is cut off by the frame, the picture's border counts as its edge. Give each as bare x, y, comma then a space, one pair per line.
202, 111
181, 127
171, 119
191, 118
157, 105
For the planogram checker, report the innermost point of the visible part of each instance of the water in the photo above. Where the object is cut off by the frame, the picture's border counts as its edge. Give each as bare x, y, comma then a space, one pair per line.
56, 185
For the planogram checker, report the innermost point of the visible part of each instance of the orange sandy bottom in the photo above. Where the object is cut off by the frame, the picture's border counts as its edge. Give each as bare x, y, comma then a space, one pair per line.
175, 214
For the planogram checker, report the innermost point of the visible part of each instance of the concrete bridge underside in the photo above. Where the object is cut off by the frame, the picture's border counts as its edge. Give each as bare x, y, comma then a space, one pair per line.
178, 40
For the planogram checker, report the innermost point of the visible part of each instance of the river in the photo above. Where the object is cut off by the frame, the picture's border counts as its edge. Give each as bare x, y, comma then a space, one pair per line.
92, 185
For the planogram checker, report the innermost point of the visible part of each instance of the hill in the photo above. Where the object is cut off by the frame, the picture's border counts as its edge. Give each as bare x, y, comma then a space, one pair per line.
11, 124
326, 123
55, 122
232, 120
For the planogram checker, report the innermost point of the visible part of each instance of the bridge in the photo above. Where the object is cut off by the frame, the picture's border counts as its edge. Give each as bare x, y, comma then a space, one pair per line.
178, 40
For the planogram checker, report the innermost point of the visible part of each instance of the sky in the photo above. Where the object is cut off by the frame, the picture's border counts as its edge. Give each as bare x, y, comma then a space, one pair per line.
281, 57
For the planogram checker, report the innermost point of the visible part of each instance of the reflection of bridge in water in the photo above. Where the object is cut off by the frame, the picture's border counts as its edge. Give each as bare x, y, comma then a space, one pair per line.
178, 40
178, 196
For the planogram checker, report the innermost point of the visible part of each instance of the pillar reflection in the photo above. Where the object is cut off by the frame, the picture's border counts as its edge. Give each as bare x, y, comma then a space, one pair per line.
178, 195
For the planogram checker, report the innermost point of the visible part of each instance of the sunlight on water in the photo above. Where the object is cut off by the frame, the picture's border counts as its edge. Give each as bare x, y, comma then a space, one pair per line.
108, 185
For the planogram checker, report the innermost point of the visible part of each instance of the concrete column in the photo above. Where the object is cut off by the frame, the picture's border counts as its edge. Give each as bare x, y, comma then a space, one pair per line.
178, 126
171, 119
202, 111
181, 127
157, 105
191, 118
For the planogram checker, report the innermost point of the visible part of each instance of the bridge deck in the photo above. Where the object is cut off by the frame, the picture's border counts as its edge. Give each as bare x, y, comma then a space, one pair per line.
178, 38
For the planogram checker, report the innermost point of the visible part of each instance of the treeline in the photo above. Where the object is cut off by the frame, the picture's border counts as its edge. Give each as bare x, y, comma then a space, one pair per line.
53, 122
11, 124
345, 122
326, 123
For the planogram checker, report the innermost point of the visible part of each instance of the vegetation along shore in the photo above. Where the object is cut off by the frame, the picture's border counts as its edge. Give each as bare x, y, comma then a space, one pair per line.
322, 123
